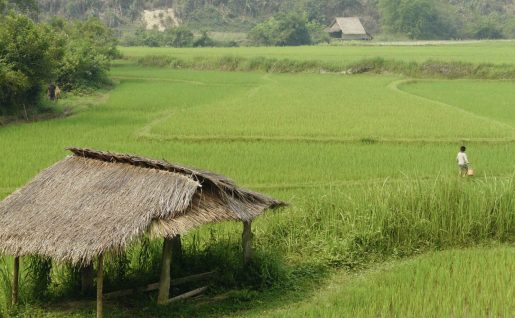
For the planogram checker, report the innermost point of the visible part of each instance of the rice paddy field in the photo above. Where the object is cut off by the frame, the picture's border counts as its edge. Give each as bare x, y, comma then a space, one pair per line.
380, 224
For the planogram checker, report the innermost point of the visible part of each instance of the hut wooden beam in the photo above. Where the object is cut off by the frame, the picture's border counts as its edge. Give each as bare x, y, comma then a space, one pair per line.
100, 286
16, 278
164, 280
247, 241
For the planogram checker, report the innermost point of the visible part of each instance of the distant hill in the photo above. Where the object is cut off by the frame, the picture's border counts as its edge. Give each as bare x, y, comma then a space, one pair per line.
242, 15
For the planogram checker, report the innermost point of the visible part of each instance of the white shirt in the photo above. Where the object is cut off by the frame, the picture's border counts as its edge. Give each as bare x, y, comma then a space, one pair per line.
462, 158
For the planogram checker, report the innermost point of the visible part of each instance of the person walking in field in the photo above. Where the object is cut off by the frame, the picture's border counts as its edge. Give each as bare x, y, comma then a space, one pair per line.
463, 161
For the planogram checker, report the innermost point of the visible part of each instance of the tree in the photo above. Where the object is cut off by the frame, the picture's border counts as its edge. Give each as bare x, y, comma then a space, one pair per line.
204, 40
418, 19
178, 37
83, 51
25, 59
282, 30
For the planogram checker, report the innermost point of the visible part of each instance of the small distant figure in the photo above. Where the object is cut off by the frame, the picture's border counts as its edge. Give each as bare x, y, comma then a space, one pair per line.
51, 91
463, 162
57, 93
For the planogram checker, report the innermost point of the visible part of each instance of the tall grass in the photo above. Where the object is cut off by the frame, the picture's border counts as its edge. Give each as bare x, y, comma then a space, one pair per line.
5, 286
351, 227
376, 65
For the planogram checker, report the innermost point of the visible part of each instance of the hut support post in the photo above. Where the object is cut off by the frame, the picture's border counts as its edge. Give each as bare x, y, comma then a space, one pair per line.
100, 286
164, 281
247, 241
16, 277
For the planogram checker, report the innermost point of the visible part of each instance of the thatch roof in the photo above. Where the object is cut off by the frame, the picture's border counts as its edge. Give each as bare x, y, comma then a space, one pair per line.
348, 26
93, 202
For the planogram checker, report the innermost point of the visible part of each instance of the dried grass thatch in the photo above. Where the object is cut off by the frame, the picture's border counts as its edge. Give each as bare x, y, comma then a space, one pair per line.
95, 202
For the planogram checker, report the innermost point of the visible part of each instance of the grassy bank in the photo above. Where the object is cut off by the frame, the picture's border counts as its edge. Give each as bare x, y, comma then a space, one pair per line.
378, 65
496, 52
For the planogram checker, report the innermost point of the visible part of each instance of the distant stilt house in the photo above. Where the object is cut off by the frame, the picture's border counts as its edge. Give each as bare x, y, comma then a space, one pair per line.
348, 29
95, 203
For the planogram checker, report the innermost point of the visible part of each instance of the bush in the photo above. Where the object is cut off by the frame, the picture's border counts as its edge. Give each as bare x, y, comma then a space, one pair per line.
282, 30
178, 37
204, 41
487, 30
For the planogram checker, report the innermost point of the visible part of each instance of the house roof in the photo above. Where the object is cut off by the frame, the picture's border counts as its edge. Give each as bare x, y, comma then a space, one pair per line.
348, 26
93, 202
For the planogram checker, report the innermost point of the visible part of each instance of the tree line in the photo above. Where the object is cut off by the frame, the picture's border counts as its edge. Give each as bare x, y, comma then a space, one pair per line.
73, 55
415, 19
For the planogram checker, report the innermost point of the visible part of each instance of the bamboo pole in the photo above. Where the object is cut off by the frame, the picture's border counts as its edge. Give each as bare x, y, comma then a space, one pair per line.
164, 280
16, 278
100, 286
247, 241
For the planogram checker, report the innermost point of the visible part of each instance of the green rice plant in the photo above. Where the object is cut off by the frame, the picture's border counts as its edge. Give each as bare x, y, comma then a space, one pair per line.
476, 52
38, 271
5, 286
470, 282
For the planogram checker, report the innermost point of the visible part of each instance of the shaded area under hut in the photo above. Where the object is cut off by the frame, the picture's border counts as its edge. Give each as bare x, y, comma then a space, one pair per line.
95, 202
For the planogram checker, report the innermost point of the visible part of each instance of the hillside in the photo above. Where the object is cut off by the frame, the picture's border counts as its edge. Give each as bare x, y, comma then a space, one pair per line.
463, 19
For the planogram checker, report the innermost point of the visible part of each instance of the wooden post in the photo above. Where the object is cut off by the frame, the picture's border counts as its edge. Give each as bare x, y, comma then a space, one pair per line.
100, 286
87, 276
164, 281
246, 238
16, 277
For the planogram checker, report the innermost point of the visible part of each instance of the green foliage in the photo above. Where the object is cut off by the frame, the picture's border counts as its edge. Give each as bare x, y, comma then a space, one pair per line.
487, 30
32, 55
25, 62
178, 37
39, 270
419, 19
284, 29
317, 33
13, 85
83, 51
171, 37
204, 40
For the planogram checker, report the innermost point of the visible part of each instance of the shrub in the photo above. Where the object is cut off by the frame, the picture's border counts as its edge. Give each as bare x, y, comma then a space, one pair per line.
178, 37
204, 41
281, 30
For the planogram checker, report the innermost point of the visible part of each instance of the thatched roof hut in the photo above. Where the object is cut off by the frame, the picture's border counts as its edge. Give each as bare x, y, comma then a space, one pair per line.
349, 28
94, 202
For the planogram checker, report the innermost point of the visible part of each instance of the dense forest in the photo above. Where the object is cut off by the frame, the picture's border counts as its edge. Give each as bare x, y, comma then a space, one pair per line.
423, 19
